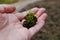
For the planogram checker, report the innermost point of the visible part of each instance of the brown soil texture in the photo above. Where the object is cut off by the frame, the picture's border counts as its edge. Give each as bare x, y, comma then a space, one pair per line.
51, 30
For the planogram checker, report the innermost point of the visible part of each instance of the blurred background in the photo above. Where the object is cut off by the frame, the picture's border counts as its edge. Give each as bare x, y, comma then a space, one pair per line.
51, 30
7, 1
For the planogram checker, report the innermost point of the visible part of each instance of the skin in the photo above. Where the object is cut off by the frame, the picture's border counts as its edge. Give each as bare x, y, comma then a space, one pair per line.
11, 28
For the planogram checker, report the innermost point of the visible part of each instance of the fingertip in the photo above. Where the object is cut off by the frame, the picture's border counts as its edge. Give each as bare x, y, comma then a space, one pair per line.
35, 9
42, 17
40, 12
42, 9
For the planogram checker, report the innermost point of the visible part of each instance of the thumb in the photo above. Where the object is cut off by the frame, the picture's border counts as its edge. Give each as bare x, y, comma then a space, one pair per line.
4, 8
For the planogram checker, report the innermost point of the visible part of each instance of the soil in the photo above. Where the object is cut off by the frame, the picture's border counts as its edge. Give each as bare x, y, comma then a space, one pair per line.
51, 30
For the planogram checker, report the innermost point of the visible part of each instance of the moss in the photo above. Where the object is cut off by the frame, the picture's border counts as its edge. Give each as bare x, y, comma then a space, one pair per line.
30, 20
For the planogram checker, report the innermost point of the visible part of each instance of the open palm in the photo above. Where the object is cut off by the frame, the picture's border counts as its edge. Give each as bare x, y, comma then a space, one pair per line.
13, 29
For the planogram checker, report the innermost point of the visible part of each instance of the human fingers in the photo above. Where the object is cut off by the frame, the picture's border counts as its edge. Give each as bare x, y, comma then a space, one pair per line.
40, 12
23, 14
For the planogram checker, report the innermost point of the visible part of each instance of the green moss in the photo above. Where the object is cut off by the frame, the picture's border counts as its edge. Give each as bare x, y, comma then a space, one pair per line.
30, 20
7, 1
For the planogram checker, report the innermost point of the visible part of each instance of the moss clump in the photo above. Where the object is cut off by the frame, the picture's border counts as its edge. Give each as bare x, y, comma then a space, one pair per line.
30, 20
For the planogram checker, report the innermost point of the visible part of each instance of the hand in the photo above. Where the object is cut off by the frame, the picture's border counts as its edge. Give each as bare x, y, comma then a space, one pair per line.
11, 28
